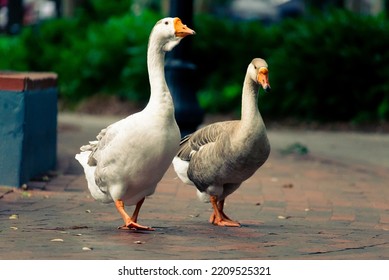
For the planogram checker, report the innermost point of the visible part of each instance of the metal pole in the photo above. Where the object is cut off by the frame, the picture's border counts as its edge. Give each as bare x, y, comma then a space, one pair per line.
15, 16
58, 8
180, 73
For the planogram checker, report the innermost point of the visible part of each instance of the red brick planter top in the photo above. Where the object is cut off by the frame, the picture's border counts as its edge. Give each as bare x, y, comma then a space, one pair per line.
22, 81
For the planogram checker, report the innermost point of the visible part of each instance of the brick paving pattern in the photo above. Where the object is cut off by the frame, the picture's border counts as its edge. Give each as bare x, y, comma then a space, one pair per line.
294, 207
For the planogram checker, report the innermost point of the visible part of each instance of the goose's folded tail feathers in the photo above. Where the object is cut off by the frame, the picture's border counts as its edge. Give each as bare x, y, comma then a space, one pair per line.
95, 191
90, 147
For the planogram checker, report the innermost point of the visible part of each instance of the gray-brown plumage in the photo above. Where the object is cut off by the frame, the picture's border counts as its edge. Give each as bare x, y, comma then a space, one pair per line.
219, 157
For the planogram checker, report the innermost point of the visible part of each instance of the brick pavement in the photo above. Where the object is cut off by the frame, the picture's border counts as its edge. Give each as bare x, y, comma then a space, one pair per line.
294, 207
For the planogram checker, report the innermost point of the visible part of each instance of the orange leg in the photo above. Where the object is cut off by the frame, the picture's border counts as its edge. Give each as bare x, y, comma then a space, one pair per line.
218, 216
130, 222
134, 217
221, 208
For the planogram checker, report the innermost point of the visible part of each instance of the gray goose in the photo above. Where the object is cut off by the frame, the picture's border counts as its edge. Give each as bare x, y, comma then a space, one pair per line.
219, 157
129, 157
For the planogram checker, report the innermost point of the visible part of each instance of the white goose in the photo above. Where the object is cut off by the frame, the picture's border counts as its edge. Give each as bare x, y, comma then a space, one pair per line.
130, 156
219, 157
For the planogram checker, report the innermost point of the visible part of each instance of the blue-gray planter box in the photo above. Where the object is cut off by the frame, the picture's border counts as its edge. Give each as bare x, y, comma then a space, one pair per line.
28, 126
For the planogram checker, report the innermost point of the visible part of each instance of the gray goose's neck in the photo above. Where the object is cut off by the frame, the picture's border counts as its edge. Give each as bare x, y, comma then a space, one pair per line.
250, 138
250, 116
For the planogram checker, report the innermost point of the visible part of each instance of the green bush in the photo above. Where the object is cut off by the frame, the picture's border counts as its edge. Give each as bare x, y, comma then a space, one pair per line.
222, 51
328, 67
13, 54
333, 66
106, 57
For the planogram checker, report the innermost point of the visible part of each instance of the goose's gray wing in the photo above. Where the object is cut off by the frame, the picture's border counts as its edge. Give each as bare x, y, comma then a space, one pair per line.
192, 143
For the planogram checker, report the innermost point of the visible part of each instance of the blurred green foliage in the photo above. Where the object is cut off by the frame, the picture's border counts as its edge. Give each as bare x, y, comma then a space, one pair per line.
100, 51
332, 67
328, 67
13, 53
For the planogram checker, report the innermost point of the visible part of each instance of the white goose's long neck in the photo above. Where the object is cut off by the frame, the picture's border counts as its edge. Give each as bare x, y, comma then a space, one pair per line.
160, 94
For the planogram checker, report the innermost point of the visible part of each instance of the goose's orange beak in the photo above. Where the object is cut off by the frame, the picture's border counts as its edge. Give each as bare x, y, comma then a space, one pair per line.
181, 29
263, 78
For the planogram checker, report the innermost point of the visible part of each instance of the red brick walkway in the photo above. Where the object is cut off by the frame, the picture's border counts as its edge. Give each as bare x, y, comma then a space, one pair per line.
295, 207
329, 204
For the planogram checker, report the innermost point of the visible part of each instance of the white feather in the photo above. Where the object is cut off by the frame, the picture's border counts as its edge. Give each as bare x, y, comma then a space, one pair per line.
90, 178
203, 196
181, 168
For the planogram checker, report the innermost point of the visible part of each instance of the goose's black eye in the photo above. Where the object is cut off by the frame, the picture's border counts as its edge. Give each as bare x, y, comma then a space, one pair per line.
255, 67
166, 22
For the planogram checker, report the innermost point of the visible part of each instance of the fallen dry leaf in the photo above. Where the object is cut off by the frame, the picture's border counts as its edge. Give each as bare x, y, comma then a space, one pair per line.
14, 217
26, 194
283, 217
287, 186
57, 240
78, 227
87, 249
139, 242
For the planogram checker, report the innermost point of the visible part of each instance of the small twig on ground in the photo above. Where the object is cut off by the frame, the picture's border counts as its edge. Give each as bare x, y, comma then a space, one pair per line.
4, 194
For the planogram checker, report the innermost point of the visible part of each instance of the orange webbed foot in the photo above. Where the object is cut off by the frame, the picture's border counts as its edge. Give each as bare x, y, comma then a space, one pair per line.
218, 217
223, 222
130, 223
135, 226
